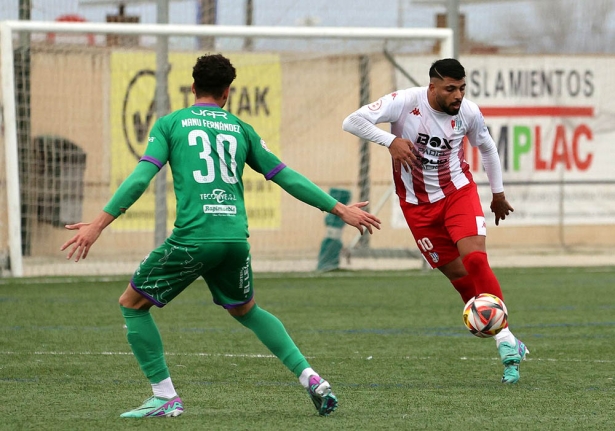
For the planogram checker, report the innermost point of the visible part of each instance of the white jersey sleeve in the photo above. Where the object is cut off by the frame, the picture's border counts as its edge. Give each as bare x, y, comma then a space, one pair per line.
362, 122
493, 169
479, 136
477, 133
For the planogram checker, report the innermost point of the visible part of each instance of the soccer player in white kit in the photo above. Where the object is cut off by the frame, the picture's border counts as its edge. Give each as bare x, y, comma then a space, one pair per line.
437, 194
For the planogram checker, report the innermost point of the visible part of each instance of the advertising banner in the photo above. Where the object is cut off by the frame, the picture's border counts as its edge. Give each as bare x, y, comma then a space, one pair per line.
255, 98
551, 118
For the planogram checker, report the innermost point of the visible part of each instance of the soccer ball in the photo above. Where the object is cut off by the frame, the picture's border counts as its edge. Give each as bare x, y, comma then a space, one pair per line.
485, 315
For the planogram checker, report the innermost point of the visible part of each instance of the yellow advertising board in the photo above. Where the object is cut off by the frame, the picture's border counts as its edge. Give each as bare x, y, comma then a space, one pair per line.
255, 98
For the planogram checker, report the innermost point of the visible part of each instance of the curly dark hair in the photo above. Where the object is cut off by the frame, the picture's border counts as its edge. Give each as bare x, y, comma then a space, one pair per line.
212, 74
447, 67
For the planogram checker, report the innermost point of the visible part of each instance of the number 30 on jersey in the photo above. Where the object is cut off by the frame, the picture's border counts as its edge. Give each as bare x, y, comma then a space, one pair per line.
228, 172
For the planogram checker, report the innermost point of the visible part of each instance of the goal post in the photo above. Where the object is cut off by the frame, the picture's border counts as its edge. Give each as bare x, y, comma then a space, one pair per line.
88, 111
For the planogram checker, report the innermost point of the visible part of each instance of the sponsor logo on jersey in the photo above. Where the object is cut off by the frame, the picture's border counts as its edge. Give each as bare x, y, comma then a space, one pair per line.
220, 209
434, 256
416, 112
433, 146
456, 124
393, 95
212, 114
264, 145
218, 195
434, 141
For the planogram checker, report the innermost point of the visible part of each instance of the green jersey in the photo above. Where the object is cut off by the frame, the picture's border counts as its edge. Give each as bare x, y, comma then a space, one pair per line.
207, 148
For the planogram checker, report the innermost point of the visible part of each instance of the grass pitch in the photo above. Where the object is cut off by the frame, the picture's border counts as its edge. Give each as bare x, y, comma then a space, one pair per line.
392, 344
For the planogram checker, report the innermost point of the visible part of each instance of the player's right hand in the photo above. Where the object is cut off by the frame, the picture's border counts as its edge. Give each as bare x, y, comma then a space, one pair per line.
82, 241
87, 235
402, 154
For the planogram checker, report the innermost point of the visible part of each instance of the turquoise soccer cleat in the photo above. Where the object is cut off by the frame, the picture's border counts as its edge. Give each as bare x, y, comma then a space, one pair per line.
321, 395
155, 407
511, 358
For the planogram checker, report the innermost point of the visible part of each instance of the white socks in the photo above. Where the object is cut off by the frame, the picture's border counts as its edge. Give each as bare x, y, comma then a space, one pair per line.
164, 389
304, 378
505, 335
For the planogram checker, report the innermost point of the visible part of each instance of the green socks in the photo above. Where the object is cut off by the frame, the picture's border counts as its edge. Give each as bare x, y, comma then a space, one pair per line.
146, 343
272, 334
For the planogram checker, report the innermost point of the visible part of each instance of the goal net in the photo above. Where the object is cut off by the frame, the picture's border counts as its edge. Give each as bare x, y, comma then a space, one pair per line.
78, 100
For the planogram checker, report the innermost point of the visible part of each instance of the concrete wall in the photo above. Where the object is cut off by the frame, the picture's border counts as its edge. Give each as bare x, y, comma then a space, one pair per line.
70, 98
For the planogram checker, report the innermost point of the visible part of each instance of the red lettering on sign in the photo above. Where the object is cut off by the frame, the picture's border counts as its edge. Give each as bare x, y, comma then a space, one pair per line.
539, 163
560, 149
582, 130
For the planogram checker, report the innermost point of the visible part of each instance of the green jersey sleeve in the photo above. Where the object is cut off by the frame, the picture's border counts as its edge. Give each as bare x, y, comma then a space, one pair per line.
131, 189
155, 156
259, 157
303, 189
158, 146
262, 160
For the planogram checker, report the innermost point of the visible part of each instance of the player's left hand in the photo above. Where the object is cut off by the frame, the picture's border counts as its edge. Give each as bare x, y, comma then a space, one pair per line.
500, 207
355, 216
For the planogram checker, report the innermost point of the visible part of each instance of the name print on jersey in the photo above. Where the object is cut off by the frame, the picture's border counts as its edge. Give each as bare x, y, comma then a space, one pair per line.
218, 125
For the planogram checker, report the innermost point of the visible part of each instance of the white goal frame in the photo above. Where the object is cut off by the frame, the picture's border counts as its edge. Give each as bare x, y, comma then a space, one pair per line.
9, 28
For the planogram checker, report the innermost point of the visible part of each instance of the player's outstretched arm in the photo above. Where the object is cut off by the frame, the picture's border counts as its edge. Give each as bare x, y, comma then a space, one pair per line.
87, 234
500, 207
491, 162
129, 191
353, 215
306, 191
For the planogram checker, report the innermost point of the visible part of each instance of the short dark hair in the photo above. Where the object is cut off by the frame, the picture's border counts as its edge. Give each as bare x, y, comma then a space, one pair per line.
212, 74
447, 67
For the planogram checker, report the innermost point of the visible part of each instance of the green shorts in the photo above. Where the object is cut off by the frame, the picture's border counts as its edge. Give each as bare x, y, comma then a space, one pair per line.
170, 268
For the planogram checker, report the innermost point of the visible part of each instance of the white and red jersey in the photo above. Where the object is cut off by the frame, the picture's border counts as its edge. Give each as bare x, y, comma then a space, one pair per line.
438, 141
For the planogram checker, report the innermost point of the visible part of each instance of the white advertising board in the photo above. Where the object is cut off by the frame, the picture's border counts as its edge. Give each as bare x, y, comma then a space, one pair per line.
553, 120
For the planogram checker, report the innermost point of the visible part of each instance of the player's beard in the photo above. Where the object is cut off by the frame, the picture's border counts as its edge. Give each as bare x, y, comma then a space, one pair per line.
452, 111
447, 108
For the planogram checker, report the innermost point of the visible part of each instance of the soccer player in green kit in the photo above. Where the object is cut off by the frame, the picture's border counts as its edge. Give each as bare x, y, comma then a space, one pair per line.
207, 149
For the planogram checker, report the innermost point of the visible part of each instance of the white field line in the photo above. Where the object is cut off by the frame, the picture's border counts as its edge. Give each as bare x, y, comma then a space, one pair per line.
258, 356
226, 355
300, 272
